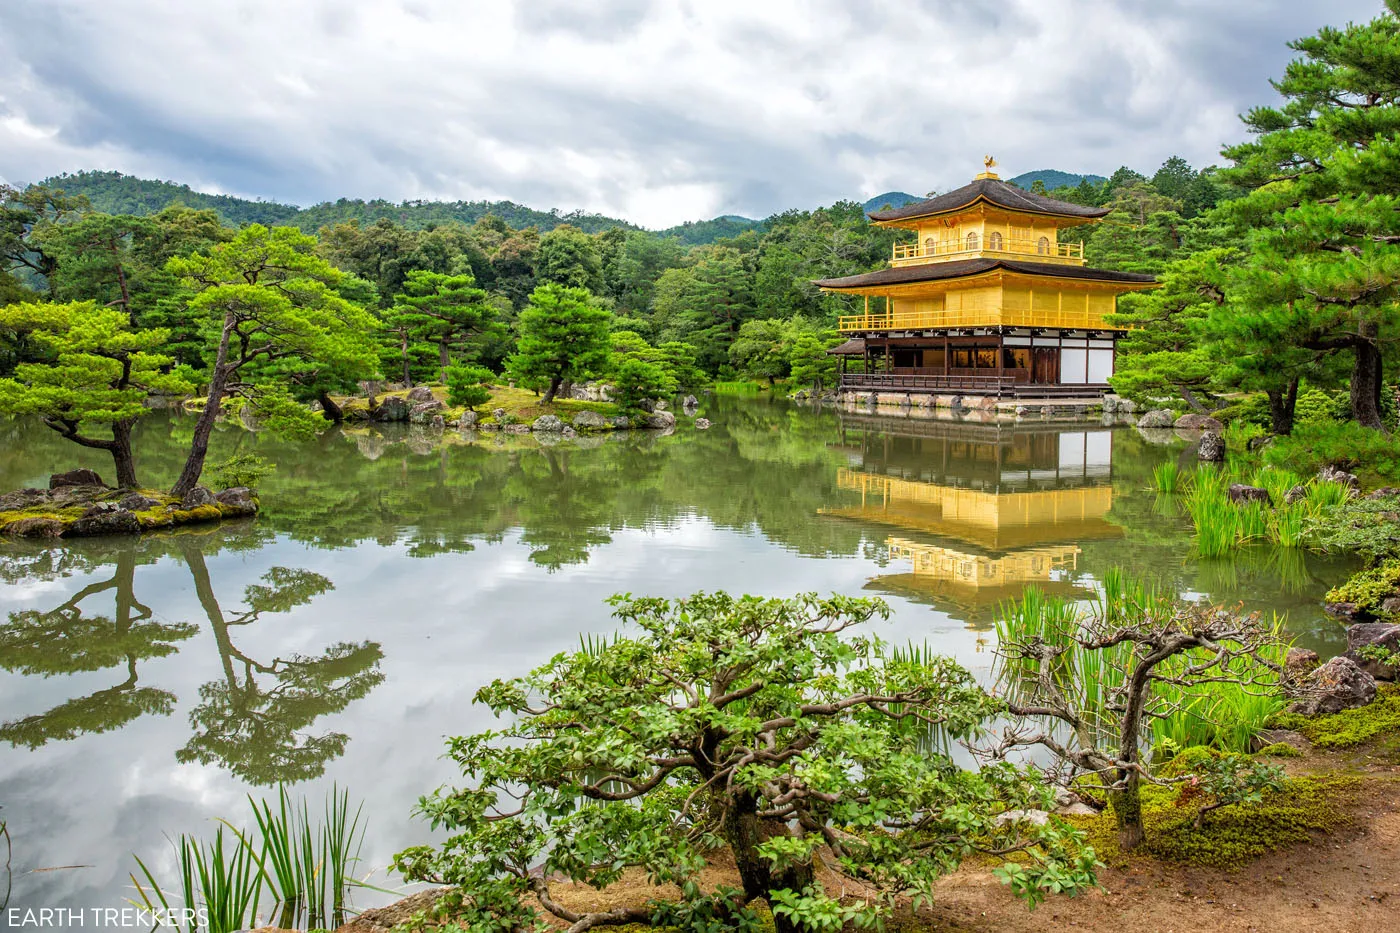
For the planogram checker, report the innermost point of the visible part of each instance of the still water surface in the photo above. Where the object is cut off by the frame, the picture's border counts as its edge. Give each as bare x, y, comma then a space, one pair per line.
147, 686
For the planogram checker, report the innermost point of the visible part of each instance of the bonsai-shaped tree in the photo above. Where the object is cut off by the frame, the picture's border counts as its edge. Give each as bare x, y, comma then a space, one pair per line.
467, 385
1094, 683
92, 371
767, 726
563, 336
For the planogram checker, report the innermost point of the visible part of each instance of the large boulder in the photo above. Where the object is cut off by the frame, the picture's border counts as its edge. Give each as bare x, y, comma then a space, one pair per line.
1299, 663
420, 394
1117, 405
548, 424
1380, 634
135, 502
104, 522
590, 421
702, 423
1239, 492
689, 402
1212, 447
468, 421
23, 499
622, 422
393, 408
1198, 422
34, 528
660, 420
1337, 685
423, 412
237, 500
196, 497
75, 478
1158, 418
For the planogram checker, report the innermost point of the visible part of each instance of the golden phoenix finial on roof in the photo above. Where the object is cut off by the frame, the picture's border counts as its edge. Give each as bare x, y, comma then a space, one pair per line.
989, 162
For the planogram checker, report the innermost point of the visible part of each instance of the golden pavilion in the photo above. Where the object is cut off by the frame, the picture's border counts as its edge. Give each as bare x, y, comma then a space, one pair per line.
987, 300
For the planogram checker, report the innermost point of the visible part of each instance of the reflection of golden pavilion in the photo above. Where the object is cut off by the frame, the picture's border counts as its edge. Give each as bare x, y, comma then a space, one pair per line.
981, 518
987, 519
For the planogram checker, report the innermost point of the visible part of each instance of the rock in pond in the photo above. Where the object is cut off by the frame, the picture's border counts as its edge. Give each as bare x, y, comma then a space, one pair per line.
690, 401
1337, 685
35, 528
468, 421
1158, 418
1239, 492
103, 522
1212, 447
702, 423
393, 408
660, 419
196, 497
423, 412
590, 421
622, 422
549, 424
75, 478
1198, 422
237, 500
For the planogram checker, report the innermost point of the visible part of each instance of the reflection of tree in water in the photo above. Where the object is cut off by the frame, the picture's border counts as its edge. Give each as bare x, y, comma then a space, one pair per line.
562, 512
65, 640
257, 720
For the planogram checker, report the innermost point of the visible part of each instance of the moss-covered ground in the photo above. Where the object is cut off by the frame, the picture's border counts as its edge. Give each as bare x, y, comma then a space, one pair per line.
522, 406
166, 513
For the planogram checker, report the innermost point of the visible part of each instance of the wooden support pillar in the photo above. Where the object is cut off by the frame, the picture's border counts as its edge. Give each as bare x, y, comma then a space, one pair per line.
947, 356
1001, 364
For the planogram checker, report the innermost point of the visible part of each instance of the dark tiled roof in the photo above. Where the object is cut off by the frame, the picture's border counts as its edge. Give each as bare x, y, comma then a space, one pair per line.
853, 347
994, 191
962, 268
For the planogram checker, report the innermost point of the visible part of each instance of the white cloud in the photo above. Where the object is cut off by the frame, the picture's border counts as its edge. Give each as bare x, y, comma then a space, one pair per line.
658, 112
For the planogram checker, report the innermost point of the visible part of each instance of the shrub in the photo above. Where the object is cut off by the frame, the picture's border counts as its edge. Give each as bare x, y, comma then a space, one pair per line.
1367, 589
772, 726
1365, 527
240, 470
1346, 445
639, 381
467, 385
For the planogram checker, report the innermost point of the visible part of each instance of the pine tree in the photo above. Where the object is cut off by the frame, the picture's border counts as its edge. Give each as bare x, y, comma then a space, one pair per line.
563, 336
443, 311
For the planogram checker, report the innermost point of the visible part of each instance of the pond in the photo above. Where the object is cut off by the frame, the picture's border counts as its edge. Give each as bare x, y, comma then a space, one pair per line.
147, 686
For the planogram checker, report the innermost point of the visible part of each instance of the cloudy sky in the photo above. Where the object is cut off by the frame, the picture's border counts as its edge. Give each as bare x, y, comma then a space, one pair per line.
658, 112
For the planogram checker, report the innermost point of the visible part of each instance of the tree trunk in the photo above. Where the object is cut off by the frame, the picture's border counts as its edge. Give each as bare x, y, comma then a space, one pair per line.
1366, 379
199, 446
1281, 405
553, 390
1127, 810
442, 358
745, 832
122, 456
329, 409
407, 376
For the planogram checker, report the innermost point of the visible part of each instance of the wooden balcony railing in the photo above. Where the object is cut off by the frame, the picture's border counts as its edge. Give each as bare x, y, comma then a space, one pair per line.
973, 317
984, 246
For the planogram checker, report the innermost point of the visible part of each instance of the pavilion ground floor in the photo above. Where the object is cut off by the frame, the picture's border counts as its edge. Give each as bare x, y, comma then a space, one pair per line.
996, 362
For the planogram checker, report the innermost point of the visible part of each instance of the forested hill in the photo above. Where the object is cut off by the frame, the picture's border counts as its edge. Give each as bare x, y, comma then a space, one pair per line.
115, 193
1052, 179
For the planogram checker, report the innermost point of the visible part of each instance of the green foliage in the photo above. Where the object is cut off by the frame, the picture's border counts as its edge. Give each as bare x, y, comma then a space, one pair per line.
1166, 477
802, 720
1233, 837
1365, 526
91, 369
1346, 445
442, 312
1350, 727
563, 336
638, 382
1367, 589
469, 385
240, 470
1279, 750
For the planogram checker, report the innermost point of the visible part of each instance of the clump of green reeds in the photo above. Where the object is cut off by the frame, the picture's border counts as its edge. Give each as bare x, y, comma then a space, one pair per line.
298, 866
1166, 477
1223, 525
